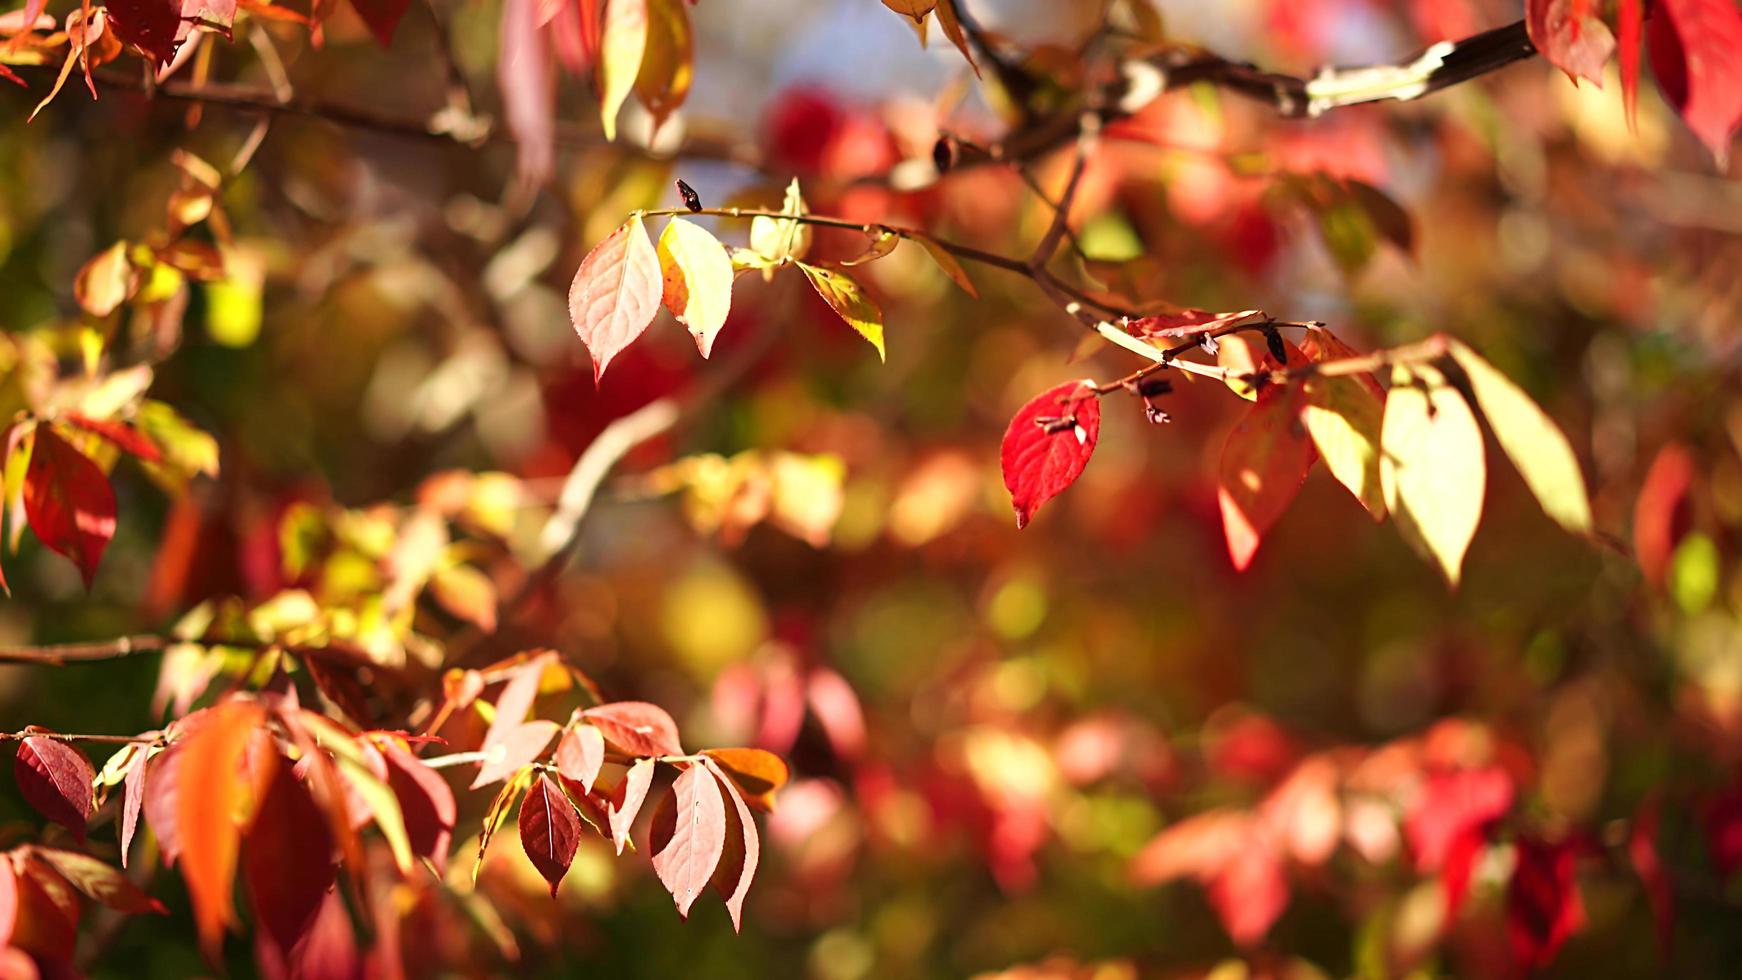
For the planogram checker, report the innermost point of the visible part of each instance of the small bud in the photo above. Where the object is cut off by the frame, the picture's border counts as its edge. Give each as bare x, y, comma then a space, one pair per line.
1208, 343
943, 153
1273, 340
1056, 426
1151, 387
691, 199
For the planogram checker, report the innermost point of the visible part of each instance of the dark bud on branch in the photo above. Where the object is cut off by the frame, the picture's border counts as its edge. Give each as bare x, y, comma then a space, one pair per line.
1151, 387
691, 199
943, 153
1273, 340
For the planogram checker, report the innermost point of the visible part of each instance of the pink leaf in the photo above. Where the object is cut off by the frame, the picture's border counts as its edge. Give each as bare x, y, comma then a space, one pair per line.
580, 754
1186, 323
55, 778
1047, 445
1264, 462
743, 849
550, 830
519, 748
1250, 893
1696, 52
132, 800
636, 727
615, 294
689, 836
528, 84
622, 814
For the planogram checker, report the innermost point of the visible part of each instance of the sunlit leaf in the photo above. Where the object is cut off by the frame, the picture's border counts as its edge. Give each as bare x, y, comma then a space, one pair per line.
1344, 415
622, 47
743, 848
636, 727
697, 274
1571, 35
1531, 441
69, 502
622, 813
667, 64
1696, 51
550, 830
615, 293
848, 299
948, 263
212, 801
99, 882
1432, 467
55, 779
500, 807
758, 772
1047, 445
580, 754
1264, 462
779, 241
689, 835
880, 242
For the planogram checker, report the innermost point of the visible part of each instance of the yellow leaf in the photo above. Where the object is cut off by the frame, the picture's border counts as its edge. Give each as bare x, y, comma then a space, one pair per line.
698, 279
1431, 466
1343, 415
623, 45
948, 263
882, 242
778, 241
850, 301
1530, 440
667, 64
106, 281
952, 27
807, 495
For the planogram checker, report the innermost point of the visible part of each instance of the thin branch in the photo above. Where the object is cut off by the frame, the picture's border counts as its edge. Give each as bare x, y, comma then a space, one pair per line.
76, 737
63, 653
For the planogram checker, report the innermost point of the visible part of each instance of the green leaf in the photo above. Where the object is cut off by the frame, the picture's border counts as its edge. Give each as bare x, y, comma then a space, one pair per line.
1530, 440
849, 300
1432, 468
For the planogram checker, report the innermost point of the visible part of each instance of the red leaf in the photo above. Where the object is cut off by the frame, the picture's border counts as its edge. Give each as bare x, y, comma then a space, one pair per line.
1696, 52
211, 791
1571, 35
158, 796
1452, 804
8, 902
1250, 893
615, 294
382, 16
743, 849
98, 881
580, 754
48, 913
1630, 25
427, 802
1186, 323
1543, 908
550, 830
1661, 514
121, 434
636, 727
55, 778
329, 951
1642, 852
689, 836
288, 864
152, 26
68, 502
1047, 445
622, 813
1722, 818
1264, 462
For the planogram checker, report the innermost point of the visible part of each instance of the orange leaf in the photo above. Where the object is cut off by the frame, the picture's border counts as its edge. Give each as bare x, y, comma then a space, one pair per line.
213, 795
1264, 462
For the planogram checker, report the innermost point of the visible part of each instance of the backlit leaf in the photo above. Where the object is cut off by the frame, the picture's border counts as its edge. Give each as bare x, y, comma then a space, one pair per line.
580, 754
881, 242
550, 830
1343, 415
777, 240
426, 803
55, 779
1047, 445
952, 28
1543, 907
1696, 52
519, 747
527, 80
615, 293
1630, 26
287, 860
689, 836
848, 299
947, 262
622, 47
500, 807
107, 280
697, 274
1531, 441
667, 64
99, 882
211, 802
69, 502
621, 814
1432, 467
1264, 462
121, 434
758, 772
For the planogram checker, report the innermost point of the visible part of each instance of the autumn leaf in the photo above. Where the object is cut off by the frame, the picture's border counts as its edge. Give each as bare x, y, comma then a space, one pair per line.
667, 68
500, 807
426, 803
848, 298
68, 502
622, 46
1432, 467
580, 754
621, 814
132, 802
467, 593
615, 293
55, 779
952, 28
947, 262
287, 863
689, 835
212, 797
527, 80
1531, 440
124, 436
697, 274
1343, 415
1696, 53
636, 727
758, 772
519, 747
550, 830
99, 882
879, 243
743, 849
776, 241
1543, 907
1571, 35
382, 17
1661, 512
1264, 462
913, 9
1630, 26
152, 26
1047, 445
107, 280
1186, 323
